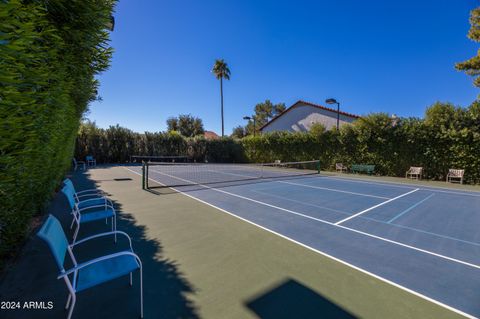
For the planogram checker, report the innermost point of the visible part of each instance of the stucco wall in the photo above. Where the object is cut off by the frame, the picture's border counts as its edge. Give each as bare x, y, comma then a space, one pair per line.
301, 118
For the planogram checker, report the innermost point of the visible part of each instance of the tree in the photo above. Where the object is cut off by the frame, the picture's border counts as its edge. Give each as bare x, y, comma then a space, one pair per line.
172, 124
264, 112
238, 132
221, 71
186, 124
472, 65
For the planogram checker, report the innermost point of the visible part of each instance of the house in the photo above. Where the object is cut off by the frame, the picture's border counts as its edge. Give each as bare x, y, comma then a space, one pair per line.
209, 135
302, 115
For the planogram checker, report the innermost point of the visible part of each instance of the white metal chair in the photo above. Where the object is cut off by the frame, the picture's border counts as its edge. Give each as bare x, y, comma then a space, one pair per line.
339, 167
455, 175
92, 272
78, 163
415, 172
91, 161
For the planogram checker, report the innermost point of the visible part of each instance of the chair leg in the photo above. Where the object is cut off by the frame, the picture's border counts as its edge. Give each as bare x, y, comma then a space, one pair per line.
71, 307
75, 234
141, 292
68, 301
114, 223
131, 282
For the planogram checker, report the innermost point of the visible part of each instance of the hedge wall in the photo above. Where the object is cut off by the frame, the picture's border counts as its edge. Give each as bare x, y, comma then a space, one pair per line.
116, 144
448, 137
49, 54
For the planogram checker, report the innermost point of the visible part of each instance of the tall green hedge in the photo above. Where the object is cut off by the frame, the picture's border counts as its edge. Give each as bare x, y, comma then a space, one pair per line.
49, 54
115, 145
448, 137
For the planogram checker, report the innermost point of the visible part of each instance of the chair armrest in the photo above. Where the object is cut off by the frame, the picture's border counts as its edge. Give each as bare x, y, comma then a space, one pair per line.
103, 235
96, 260
95, 206
91, 190
89, 197
107, 201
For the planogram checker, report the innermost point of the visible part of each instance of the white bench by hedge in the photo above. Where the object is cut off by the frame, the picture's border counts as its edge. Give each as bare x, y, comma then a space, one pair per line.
455, 175
414, 172
340, 167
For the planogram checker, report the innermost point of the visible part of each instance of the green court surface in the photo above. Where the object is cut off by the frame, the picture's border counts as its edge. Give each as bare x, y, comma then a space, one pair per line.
200, 262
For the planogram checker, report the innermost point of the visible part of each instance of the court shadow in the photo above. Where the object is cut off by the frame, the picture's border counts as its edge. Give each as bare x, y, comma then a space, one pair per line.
33, 277
292, 299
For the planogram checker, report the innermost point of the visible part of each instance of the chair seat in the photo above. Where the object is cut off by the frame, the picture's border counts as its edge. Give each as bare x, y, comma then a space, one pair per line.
96, 215
105, 270
92, 202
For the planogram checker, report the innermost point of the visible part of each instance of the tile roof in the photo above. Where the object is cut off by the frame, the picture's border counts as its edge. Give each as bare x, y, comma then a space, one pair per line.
210, 135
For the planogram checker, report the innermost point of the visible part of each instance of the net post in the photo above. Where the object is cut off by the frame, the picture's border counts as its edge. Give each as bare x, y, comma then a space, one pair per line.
143, 175
147, 169
318, 166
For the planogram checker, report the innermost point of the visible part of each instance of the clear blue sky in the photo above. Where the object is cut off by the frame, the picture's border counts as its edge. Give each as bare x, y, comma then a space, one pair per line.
373, 56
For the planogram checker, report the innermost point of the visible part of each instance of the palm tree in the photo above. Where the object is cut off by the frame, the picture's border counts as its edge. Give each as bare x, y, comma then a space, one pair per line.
221, 71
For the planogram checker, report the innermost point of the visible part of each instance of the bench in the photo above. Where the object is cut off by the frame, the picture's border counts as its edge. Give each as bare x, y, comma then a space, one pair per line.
414, 172
455, 175
361, 168
339, 167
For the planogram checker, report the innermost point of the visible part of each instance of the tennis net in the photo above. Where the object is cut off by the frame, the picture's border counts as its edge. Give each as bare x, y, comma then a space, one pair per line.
160, 158
183, 174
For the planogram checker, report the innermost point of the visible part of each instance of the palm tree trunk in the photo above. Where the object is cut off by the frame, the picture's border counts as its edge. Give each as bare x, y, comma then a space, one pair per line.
221, 97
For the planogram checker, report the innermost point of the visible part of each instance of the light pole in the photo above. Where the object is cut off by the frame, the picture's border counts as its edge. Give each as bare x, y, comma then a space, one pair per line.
248, 118
333, 101
395, 120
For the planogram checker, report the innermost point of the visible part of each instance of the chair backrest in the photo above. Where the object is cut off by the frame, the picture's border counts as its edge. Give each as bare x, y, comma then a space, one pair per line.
415, 170
70, 193
74, 162
89, 158
68, 182
456, 172
52, 233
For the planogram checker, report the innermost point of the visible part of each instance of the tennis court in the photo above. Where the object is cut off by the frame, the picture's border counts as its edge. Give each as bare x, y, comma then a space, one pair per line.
422, 239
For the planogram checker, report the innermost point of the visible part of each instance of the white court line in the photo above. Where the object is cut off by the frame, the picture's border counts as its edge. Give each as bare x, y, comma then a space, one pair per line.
330, 256
373, 207
408, 185
302, 203
327, 222
413, 292
306, 185
242, 197
334, 190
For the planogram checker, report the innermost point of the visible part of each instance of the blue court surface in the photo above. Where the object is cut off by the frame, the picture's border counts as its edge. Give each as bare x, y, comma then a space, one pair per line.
425, 240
